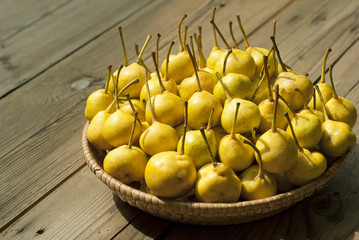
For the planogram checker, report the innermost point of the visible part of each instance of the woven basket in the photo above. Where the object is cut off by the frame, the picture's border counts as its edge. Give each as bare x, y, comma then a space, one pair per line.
204, 213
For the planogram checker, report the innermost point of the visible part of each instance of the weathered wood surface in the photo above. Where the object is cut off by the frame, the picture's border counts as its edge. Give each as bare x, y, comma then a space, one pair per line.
48, 192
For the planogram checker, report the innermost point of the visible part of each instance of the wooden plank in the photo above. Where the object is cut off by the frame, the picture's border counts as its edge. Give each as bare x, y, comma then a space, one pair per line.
20, 193
15, 18
63, 215
45, 178
57, 36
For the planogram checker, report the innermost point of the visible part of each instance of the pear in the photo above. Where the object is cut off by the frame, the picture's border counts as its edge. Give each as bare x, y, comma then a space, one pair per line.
266, 107
155, 82
216, 182
283, 184
307, 127
126, 163
189, 85
167, 107
256, 182
325, 88
117, 127
238, 85
179, 66
310, 165
132, 71
248, 115
134, 105
94, 130
308, 110
195, 146
277, 148
201, 104
289, 80
338, 137
171, 174
238, 62
216, 51
233, 152
158, 137
257, 53
339, 108
100, 99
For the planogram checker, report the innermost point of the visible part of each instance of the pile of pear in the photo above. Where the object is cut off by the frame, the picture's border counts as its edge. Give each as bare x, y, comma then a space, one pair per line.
240, 125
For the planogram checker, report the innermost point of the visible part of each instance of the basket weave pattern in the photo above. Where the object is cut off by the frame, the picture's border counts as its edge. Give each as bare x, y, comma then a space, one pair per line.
204, 213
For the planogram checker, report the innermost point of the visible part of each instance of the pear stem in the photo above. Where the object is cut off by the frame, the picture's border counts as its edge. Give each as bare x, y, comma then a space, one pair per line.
322, 79
225, 62
202, 59
108, 77
274, 123
214, 162
158, 72
132, 131
168, 58
314, 99
265, 66
260, 164
232, 35
116, 86
253, 132
326, 118
185, 35
289, 106
123, 46
293, 133
184, 127
274, 27
142, 63
259, 84
242, 31
139, 58
108, 109
277, 51
303, 97
335, 95
233, 133
157, 47
209, 124
130, 102
220, 34
180, 44
192, 50
226, 91
128, 85
195, 67
215, 44
149, 99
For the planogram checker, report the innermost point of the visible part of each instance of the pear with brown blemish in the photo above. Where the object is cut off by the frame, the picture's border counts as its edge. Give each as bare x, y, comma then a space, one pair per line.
289, 80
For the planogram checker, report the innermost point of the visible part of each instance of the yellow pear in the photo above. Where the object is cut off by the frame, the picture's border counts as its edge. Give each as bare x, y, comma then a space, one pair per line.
126, 163
216, 182
256, 182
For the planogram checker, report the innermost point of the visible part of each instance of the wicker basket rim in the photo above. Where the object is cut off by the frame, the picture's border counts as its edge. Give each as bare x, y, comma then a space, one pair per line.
295, 195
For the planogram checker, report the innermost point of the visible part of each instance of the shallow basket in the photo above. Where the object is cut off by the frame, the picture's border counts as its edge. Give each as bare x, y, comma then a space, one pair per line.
203, 213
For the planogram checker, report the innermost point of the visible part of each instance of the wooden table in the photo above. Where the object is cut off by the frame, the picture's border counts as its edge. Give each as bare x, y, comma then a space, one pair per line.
55, 53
